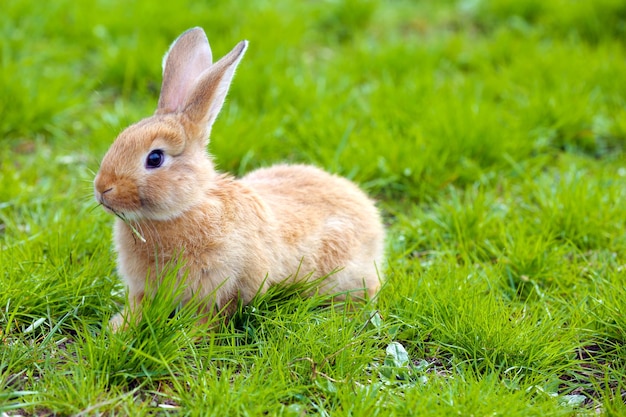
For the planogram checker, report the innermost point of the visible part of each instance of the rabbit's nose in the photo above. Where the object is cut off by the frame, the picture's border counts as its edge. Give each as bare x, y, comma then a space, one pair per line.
102, 183
101, 187
101, 197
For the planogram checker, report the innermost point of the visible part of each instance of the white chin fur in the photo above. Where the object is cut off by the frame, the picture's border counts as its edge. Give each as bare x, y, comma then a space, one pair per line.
132, 215
148, 215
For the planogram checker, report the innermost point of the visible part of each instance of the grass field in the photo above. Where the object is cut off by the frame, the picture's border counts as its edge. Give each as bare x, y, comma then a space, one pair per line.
491, 133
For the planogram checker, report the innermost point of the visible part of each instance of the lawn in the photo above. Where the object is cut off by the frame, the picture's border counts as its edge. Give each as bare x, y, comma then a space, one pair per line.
491, 133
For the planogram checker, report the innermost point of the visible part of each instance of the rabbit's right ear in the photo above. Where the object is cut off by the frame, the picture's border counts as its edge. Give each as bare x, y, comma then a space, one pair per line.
188, 57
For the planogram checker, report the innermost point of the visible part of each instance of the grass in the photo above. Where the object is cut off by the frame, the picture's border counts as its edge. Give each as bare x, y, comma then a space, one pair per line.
491, 133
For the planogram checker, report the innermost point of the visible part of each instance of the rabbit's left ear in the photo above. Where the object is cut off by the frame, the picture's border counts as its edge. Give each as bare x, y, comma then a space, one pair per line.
188, 57
208, 93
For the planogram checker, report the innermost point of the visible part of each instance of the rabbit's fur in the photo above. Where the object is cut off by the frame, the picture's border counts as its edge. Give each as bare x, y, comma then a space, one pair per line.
235, 236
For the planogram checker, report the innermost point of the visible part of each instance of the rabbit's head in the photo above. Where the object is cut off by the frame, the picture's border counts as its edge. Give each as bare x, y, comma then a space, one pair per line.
159, 167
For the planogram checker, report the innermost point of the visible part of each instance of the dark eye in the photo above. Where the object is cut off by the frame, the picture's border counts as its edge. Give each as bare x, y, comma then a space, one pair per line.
155, 159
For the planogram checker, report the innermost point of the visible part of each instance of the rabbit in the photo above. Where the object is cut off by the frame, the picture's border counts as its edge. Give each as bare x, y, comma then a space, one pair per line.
235, 237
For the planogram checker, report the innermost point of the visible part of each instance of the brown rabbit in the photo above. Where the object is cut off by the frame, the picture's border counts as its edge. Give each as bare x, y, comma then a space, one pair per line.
235, 236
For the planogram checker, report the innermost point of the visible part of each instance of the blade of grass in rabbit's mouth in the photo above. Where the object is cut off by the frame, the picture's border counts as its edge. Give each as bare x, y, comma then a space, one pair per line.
129, 224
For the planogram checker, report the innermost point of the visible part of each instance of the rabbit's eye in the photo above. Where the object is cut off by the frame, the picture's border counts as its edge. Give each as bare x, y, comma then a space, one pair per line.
155, 159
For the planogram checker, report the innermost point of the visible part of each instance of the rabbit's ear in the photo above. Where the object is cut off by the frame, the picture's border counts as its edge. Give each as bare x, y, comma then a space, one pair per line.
188, 57
205, 100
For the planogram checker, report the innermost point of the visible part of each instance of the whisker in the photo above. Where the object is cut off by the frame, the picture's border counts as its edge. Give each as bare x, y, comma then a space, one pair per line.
150, 232
95, 207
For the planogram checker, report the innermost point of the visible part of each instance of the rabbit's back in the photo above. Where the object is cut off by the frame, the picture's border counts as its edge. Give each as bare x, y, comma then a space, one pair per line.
325, 222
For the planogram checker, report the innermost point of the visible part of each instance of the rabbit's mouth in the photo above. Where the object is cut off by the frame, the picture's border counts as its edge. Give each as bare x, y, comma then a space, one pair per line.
111, 210
107, 206
108, 199
125, 216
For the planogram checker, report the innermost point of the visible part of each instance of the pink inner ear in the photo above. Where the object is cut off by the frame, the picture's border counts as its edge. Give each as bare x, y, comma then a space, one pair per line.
187, 58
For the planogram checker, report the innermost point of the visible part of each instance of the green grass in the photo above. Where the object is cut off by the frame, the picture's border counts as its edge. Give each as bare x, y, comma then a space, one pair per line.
491, 132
